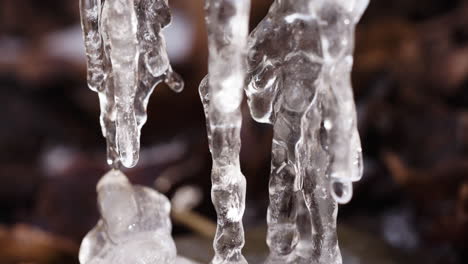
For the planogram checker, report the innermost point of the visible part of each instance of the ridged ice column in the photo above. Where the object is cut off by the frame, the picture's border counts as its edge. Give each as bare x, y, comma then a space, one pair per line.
300, 60
222, 93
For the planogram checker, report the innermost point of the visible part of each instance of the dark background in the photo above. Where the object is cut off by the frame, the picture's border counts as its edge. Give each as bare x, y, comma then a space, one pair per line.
411, 86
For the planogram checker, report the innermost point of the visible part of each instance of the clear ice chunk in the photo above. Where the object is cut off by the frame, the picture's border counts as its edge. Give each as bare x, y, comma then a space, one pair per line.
126, 58
222, 93
135, 225
300, 60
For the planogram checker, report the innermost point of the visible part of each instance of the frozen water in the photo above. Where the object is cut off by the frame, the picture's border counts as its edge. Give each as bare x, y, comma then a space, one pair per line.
300, 60
127, 58
90, 14
135, 225
299, 65
222, 93
119, 33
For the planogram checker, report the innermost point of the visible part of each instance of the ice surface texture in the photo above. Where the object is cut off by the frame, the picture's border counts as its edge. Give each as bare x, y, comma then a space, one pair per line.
300, 60
222, 93
135, 225
126, 58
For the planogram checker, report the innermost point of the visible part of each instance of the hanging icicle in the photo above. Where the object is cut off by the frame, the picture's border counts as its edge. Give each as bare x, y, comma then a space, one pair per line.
127, 58
222, 93
300, 62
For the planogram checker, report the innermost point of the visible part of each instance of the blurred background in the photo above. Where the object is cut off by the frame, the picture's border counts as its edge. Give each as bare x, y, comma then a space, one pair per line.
411, 85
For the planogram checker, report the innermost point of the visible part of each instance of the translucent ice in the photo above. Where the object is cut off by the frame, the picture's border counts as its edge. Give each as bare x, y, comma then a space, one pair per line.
90, 14
135, 225
300, 60
119, 32
127, 58
221, 93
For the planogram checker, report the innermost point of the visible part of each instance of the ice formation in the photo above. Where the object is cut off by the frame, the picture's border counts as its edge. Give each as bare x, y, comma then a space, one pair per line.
127, 58
222, 93
300, 60
135, 226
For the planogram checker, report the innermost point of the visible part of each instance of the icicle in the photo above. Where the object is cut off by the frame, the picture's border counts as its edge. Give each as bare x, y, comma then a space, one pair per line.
127, 58
154, 66
338, 21
119, 30
300, 60
222, 93
90, 16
